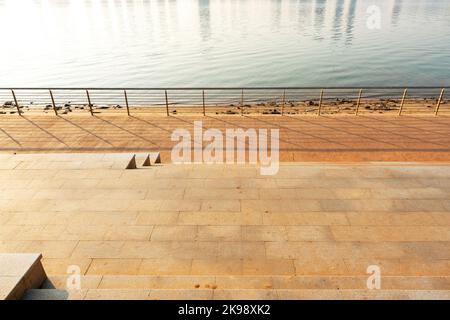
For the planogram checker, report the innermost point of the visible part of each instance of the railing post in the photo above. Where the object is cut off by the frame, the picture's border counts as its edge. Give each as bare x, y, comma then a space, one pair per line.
284, 101
242, 102
126, 101
439, 102
320, 102
15, 101
403, 102
167, 102
203, 98
359, 102
53, 101
89, 101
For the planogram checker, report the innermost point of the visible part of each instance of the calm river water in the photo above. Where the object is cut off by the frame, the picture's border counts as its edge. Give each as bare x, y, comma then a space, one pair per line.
140, 43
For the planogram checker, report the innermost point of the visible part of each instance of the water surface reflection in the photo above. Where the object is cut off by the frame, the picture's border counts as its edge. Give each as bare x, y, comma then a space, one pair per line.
223, 43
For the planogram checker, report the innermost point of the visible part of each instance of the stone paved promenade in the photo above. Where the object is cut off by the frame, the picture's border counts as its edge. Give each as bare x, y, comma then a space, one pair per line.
225, 231
205, 230
302, 138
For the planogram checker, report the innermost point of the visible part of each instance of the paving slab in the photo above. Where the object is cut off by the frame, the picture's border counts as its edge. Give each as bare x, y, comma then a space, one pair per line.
312, 219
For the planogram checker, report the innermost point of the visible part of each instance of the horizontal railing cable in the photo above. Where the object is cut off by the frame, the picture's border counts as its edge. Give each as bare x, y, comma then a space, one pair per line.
236, 100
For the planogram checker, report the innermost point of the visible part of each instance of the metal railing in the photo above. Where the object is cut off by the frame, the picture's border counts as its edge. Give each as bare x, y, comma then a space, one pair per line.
238, 100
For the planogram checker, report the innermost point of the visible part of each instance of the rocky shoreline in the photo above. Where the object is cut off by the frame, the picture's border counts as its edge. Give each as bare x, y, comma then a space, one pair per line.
329, 106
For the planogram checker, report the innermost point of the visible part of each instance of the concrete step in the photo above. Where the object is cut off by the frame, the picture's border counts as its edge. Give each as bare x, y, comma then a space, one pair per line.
182, 282
18, 273
236, 294
78, 161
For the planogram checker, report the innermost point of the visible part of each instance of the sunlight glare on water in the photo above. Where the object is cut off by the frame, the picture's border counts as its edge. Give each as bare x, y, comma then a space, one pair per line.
185, 43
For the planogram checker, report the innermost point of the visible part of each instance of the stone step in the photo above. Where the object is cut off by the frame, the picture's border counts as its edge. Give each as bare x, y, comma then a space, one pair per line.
249, 282
236, 294
77, 161
18, 273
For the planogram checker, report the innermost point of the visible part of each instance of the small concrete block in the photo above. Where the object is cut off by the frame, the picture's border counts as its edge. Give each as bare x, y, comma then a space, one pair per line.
18, 273
147, 162
132, 163
158, 159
